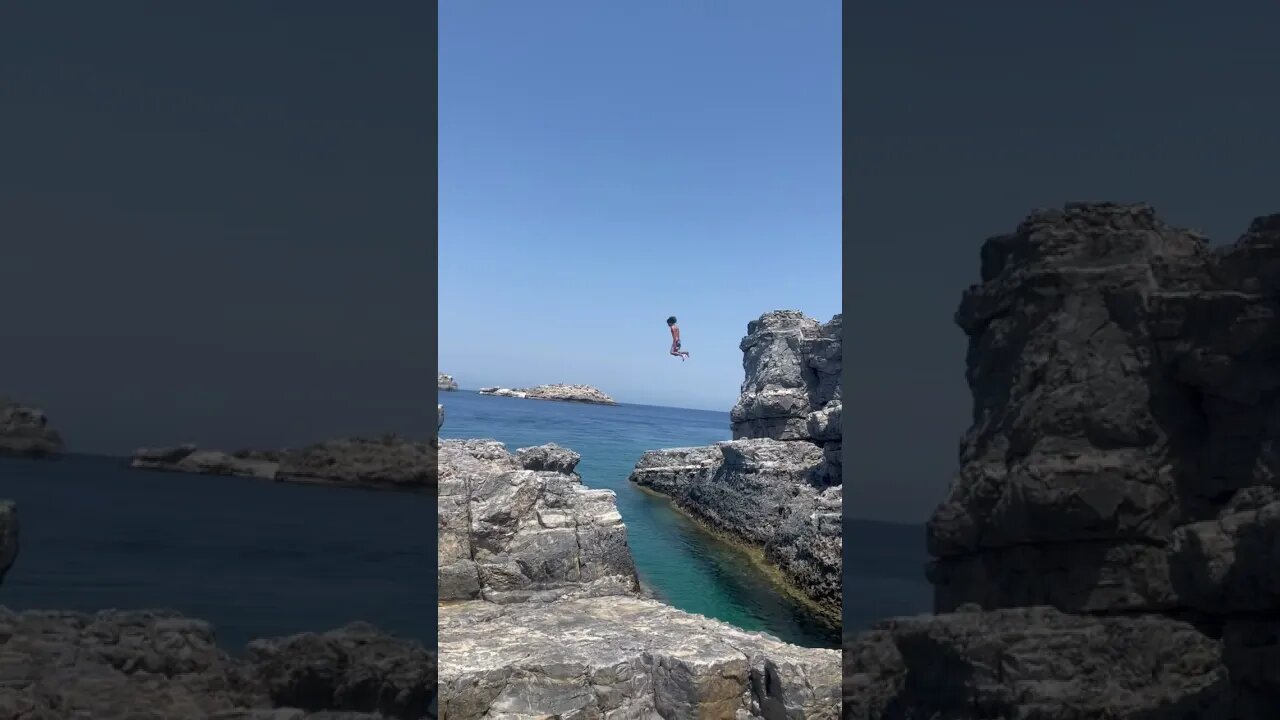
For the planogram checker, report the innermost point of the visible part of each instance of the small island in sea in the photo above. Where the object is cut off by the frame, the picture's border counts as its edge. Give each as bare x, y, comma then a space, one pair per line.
445, 382
562, 392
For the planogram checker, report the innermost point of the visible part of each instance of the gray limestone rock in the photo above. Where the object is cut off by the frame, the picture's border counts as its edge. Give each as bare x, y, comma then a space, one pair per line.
513, 528
25, 431
389, 462
157, 665
623, 657
8, 536
541, 617
189, 459
1124, 462
778, 485
1034, 663
445, 382
561, 392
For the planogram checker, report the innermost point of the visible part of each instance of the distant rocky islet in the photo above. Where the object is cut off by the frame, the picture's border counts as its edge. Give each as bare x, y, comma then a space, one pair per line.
25, 431
561, 392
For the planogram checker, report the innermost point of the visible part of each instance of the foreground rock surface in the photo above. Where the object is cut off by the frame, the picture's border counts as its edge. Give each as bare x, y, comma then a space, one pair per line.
158, 665
564, 393
622, 657
1033, 663
1123, 462
389, 463
446, 382
778, 486
770, 494
25, 431
540, 614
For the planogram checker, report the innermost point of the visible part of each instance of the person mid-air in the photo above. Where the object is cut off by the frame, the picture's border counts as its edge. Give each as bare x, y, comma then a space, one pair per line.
675, 339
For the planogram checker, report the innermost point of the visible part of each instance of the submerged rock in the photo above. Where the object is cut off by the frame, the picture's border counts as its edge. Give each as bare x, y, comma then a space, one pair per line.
565, 393
446, 382
541, 616
25, 431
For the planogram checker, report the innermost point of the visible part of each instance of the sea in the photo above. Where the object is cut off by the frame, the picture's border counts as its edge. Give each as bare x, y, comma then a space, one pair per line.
253, 557
679, 562
264, 559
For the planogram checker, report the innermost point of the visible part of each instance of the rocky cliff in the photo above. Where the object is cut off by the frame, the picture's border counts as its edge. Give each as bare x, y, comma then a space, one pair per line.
540, 613
25, 431
778, 485
1122, 469
158, 665
446, 382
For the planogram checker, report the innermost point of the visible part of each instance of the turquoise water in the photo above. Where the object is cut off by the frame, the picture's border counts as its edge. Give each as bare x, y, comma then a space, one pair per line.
678, 562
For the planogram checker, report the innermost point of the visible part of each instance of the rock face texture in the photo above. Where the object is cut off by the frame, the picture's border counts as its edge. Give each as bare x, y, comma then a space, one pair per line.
158, 665
523, 527
540, 613
564, 393
25, 431
446, 382
1123, 462
8, 536
388, 463
778, 485
622, 657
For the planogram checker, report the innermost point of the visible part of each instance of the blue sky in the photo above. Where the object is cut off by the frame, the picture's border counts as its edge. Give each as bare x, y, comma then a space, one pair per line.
604, 165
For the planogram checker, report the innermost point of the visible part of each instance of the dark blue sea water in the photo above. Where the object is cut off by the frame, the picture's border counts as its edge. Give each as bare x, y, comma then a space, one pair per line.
884, 565
255, 558
677, 561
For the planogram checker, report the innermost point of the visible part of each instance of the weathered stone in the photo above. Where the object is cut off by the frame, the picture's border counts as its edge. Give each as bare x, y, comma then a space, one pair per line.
777, 486
445, 382
25, 431
769, 494
186, 458
622, 657
564, 393
540, 614
1034, 663
792, 374
510, 534
157, 665
8, 536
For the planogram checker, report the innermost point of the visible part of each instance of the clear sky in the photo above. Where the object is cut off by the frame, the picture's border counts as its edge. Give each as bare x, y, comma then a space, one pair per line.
212, 223
972, 114
604, 165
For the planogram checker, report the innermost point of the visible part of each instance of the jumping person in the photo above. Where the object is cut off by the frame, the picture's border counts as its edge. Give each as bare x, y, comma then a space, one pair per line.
675, 339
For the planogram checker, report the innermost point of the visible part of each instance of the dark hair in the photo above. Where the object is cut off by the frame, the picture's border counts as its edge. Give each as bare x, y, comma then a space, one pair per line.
671, 320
